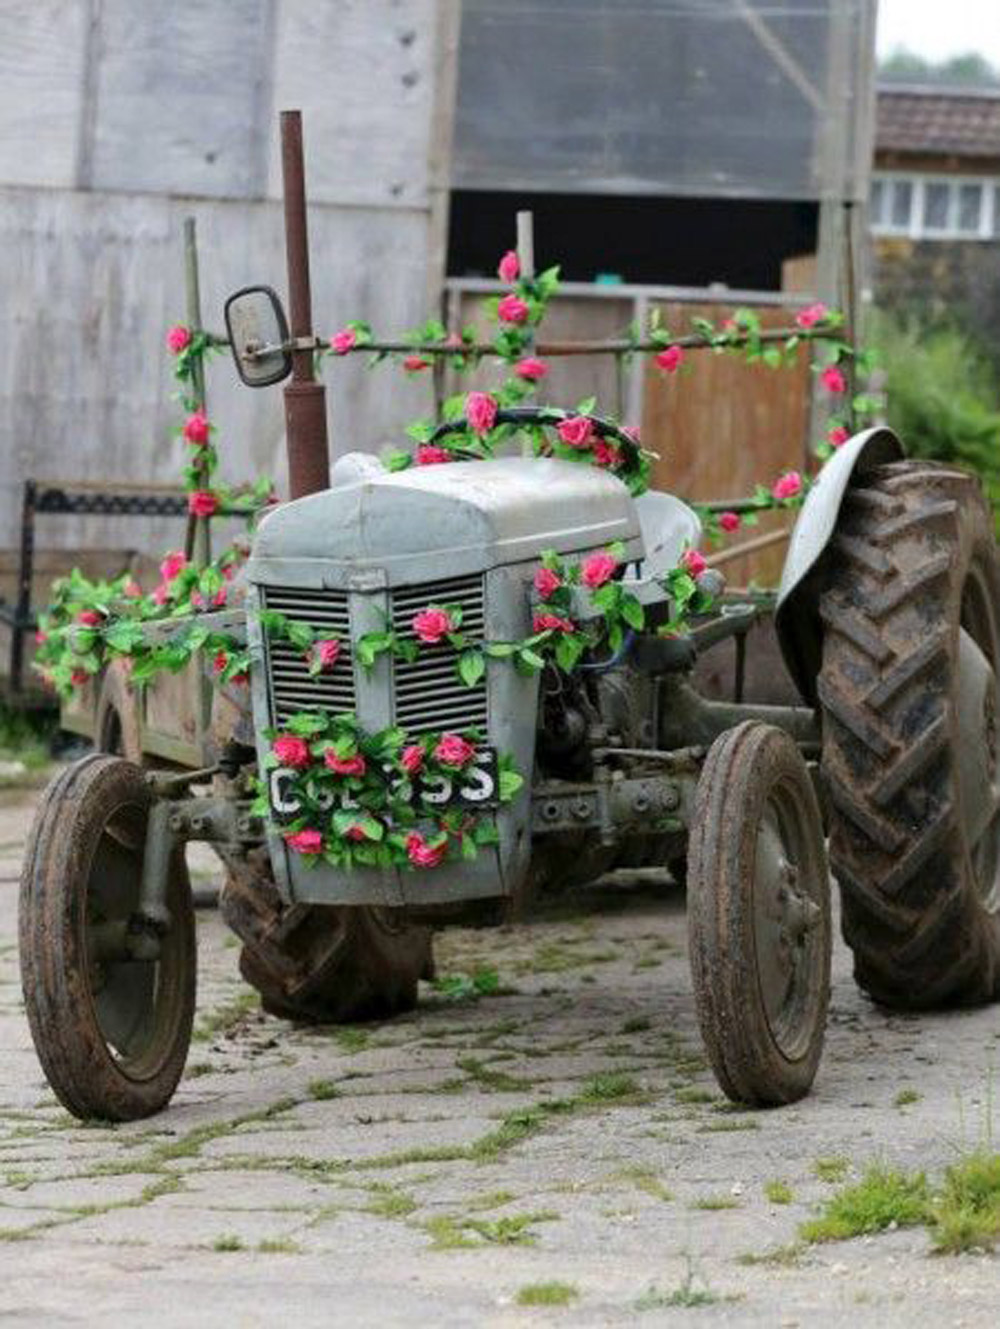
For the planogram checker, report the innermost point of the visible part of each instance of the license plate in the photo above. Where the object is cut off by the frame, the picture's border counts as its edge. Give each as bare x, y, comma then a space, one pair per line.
475, 786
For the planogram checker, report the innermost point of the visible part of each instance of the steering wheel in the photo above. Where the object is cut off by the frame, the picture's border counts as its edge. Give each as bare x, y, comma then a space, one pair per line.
548, 415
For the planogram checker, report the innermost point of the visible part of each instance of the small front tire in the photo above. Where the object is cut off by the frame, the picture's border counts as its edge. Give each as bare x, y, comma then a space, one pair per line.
111, 1031
759, 916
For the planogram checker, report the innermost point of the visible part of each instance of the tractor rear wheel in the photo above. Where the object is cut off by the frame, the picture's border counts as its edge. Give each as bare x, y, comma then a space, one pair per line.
908, 690
322, 965
116, 726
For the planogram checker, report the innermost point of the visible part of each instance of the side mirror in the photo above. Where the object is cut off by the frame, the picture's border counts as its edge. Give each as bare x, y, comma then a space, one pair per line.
258, 333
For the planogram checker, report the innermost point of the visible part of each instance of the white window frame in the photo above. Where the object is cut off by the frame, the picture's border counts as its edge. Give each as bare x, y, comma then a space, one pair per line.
918, 180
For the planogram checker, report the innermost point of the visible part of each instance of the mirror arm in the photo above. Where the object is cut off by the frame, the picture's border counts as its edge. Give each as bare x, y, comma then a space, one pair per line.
284, 347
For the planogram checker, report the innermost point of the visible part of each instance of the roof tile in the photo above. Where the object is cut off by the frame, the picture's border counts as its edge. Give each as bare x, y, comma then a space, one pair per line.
963, 124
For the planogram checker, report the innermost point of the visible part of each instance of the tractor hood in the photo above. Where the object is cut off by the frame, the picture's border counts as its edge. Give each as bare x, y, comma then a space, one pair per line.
463, 517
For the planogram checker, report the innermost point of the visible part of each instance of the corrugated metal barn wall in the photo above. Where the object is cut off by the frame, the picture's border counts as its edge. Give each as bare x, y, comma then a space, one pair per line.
117, 119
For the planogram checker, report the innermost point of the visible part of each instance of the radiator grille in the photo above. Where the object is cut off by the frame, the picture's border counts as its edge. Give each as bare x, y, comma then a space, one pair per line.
292, 687
429, 695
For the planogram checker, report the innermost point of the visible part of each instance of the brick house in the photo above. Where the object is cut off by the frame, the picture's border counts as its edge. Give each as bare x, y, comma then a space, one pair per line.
935, 201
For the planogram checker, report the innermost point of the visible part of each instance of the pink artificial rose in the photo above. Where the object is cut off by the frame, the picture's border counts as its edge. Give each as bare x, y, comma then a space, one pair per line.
693, 562
787, 486
512, 309
729, 521
838, 436
552, 623
161, 594
178, 338
424, 855
344, 765
132, 588
454, 750
670, 359
89, 617
202, 503
531, 368
547, 582
220, 661
305, 842
431, 625
577, 431
343, 341
429, 454
291, 750
412, 758
239, 680
509, 267
833, 379
414, 363
597, 569
454, 341
327, 652
480, 411
808, 318
217, 601
606, 454
172, 565
41, 638
196, 429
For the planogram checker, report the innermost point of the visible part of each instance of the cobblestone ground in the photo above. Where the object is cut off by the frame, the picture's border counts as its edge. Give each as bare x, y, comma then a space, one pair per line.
565, 1130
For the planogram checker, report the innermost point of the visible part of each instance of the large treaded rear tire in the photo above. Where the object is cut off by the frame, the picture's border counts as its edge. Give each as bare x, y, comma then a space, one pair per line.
323, 965
913, 570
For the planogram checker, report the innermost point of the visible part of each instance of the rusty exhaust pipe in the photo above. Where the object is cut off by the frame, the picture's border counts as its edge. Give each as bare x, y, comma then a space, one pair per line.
305, 399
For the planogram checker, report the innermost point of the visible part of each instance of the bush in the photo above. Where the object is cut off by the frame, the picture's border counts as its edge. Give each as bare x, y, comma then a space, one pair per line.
943, 396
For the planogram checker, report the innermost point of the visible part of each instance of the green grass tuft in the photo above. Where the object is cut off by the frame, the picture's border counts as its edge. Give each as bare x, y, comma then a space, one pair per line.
609, 1087
832, 1169
966, 1215
322, 1089
778, 1192
883, 1198
547, 1294
228, 1242
905, 1097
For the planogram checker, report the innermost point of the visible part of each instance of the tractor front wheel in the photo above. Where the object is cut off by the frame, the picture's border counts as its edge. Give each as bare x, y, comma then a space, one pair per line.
759, 916
110, 1008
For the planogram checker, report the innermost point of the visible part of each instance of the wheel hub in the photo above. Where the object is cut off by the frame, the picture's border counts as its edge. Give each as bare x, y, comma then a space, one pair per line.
979, 794
785, 921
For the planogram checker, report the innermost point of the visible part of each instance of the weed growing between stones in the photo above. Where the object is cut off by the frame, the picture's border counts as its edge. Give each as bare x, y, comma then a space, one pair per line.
323, 1089
831, 1170
966, 1213
692, 1291
883, 1198
547, 1294
778, 1192
228, 1242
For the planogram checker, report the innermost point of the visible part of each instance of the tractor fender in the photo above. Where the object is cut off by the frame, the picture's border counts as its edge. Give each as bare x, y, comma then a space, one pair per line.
796, 617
